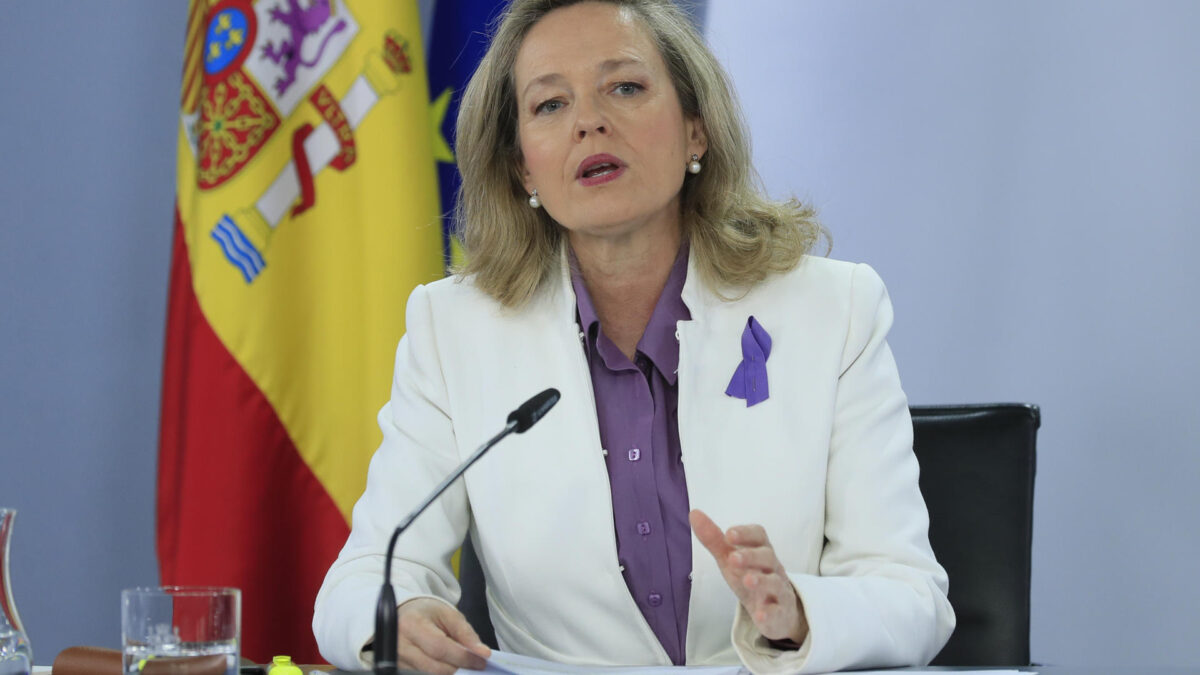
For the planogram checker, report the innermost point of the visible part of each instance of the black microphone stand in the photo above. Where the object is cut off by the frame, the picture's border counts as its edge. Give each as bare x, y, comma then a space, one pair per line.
386, 620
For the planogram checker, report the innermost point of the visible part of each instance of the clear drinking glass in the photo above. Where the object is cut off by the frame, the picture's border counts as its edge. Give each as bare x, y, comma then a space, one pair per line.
168, 627
16, 657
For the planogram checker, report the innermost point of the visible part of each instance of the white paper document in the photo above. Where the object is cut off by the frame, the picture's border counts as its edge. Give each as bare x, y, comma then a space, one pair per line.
505, 663
918, 671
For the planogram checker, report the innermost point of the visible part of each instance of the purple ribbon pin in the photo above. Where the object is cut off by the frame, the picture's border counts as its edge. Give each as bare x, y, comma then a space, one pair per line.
750, 379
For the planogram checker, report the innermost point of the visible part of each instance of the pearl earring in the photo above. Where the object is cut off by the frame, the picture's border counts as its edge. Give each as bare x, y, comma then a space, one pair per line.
694, 165
534, 202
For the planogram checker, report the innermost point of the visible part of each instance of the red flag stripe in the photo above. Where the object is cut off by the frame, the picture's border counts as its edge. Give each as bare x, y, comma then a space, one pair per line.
230, 477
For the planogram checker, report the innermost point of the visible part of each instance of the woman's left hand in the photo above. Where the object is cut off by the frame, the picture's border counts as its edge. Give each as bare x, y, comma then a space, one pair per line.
748, 562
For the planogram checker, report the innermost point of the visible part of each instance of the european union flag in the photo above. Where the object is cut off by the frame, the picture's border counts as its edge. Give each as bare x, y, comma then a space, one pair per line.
458, 39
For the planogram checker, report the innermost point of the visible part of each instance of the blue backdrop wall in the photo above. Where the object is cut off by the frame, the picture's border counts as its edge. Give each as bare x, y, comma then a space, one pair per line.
90, 96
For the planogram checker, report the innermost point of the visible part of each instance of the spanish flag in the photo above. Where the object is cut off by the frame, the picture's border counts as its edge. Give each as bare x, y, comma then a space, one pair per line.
307, 209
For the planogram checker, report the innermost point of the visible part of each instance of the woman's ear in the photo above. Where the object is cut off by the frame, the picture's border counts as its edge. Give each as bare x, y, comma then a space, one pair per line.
697, 137
523, 172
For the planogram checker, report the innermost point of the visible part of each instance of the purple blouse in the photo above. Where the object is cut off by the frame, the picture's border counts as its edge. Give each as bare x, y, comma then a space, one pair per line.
636, 407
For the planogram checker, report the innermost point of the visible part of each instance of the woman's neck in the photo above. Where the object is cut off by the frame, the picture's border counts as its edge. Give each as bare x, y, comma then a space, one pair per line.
625, 277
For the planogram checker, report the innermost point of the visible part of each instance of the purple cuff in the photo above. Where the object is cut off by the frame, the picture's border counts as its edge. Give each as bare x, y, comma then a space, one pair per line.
750, 379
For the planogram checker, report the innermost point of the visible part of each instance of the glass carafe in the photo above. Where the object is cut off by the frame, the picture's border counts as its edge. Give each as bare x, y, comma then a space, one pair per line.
16, 658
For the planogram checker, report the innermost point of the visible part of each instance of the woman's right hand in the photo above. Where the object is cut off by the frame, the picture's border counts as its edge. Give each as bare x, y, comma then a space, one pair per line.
436, 638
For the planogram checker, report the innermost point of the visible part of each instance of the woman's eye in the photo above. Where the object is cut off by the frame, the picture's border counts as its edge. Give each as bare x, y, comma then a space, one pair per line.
548, 106
627, 88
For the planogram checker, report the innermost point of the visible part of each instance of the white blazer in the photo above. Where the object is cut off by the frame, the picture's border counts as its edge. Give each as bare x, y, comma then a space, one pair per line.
825, 465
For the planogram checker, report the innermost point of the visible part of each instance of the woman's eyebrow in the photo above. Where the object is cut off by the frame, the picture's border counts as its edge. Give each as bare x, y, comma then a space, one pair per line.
610, 65
605, 67
548, 78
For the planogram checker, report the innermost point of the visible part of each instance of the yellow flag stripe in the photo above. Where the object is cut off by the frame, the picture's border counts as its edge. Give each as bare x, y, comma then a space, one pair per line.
194, 46
305, 247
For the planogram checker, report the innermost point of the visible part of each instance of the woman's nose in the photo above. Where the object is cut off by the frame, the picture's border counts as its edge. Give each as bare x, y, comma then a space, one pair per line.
590, 120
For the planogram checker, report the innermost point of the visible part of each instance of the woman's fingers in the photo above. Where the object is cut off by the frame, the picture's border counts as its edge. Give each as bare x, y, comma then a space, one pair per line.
432, 650
436, 638
748, 535
763, 603
761, 558
773, 606
710, 535
753, 571
411, 656
741, 547
419, 648
458, 628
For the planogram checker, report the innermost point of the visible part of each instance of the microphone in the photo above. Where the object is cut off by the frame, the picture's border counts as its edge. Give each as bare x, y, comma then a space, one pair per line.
533, 410
386, 620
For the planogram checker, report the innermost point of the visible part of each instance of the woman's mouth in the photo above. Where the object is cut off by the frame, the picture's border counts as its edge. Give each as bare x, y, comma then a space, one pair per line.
599, 169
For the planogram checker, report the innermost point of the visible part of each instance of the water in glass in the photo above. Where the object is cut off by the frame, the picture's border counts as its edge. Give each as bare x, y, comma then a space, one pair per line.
16, 656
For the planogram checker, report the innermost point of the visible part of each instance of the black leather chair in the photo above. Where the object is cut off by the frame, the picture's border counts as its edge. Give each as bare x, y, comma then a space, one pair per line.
473, 603
977, 468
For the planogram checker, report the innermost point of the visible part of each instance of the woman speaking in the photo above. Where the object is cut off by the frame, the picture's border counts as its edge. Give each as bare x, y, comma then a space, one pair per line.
712, 372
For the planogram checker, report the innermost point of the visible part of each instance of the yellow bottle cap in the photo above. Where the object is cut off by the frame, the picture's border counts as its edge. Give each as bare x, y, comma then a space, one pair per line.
282, 665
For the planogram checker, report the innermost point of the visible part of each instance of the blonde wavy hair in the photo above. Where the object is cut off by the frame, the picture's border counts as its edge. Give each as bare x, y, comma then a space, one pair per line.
738, 236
